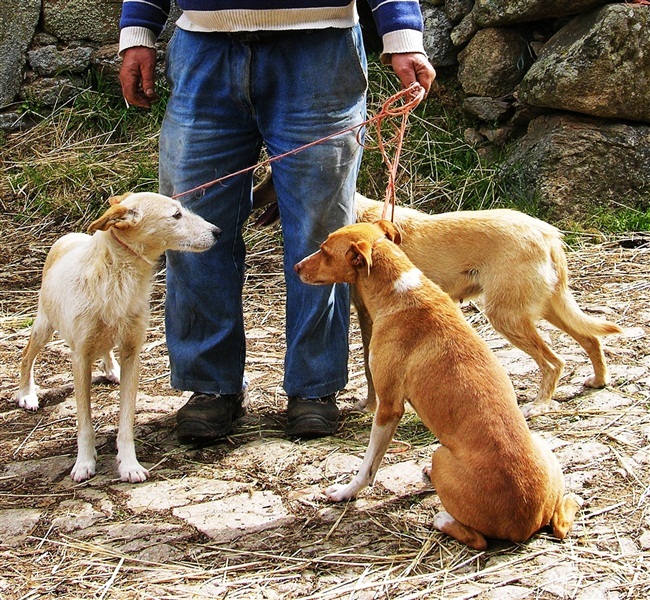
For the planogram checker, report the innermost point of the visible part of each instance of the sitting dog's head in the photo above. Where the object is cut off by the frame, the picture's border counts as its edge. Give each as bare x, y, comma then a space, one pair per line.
345, 253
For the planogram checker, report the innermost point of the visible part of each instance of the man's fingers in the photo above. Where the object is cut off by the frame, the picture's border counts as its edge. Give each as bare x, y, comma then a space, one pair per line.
410, 67
137, 76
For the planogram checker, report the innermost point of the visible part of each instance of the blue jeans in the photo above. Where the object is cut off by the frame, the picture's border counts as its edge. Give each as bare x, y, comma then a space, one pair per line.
227, 99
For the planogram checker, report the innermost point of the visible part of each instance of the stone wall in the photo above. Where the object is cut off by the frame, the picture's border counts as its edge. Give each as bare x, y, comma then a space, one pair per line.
564, 84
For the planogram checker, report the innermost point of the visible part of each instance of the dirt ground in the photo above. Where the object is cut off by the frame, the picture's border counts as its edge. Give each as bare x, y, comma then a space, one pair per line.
246, 518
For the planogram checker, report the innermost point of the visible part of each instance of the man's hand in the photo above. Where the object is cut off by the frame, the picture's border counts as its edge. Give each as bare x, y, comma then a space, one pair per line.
413, 66
137, 76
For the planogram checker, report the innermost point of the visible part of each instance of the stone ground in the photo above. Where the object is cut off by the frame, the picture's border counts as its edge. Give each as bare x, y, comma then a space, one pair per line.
246, 518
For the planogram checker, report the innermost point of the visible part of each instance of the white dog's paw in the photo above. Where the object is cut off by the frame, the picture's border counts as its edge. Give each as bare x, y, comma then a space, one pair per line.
83, 469
339, 492
132, 471
595, 382
111, 370
535, 409
28, 401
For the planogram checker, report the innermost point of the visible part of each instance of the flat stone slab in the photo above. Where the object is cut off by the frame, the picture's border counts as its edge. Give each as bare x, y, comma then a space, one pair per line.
168, 494
234, 516
16, 525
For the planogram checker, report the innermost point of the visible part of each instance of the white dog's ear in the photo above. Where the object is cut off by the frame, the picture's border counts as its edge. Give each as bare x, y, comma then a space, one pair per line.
391, 231
359, 255
117, 199
118, 216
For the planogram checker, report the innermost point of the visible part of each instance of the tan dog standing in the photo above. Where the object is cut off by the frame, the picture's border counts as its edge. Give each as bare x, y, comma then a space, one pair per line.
493, 477
515, 262
95, 292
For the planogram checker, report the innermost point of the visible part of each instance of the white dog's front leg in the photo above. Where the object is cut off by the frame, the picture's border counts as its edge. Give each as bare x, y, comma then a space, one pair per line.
129, 467
380, 439
84, 467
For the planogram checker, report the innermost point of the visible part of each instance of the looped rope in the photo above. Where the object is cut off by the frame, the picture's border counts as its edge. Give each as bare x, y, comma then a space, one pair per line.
413, 94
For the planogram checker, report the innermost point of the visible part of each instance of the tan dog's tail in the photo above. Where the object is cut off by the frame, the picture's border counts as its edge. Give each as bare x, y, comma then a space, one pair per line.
565, 513
564, 311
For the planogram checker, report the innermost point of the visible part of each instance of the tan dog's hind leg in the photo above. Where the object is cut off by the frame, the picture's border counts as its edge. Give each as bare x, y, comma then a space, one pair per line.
522, 332
564, 515
591, 345
383, 428
41, 333
84, 467
444, 522
448, 482
128, 465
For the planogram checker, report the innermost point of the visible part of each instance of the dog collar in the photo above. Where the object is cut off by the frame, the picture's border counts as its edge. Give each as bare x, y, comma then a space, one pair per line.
131, 250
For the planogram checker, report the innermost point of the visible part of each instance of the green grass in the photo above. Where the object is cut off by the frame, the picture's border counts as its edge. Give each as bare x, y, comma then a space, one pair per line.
94, 146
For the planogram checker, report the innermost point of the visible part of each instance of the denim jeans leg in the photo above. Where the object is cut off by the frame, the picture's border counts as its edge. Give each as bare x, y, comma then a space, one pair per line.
307, 87
207, 133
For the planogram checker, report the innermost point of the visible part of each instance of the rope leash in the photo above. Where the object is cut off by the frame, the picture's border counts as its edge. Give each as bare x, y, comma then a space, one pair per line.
413, 95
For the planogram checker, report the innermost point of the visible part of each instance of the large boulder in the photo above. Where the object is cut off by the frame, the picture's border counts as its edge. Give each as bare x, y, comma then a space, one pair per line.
598, 64
496, 13
437, 41
493, 62
18, 20
572, 165
90, 20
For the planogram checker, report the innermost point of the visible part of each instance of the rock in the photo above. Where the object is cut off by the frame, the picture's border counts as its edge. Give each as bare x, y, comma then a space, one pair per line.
82, 19
18, 20
496, 13
76, 514
456, 10
493, 63
463, 32
52, 91
403, 479
598, 64
487, 109
437, 43
10, 121
49, 60
163, 495
16, 524
573, 165
237, 515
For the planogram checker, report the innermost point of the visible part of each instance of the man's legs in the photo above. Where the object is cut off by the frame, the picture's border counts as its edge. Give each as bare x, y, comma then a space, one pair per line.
208, 132
307, 87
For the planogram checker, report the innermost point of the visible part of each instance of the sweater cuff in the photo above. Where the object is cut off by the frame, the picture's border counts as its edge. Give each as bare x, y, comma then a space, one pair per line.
136, 36
402, 41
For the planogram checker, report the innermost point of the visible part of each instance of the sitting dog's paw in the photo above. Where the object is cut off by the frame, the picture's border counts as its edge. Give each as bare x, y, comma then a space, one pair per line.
339, 493
28, 401
535, 409
133, 473
82, 470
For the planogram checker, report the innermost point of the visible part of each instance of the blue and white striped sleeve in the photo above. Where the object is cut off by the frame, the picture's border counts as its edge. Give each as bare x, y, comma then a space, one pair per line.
400, 25
141, 22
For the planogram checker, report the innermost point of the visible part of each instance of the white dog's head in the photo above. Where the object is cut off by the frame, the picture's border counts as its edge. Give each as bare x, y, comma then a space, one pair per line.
155, 223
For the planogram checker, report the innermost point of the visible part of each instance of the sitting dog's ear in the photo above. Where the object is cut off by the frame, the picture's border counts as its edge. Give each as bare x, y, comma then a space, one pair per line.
360, 255
118, 216
391, 231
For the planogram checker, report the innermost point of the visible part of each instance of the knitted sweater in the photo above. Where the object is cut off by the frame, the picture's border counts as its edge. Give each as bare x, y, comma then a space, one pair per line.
399, 22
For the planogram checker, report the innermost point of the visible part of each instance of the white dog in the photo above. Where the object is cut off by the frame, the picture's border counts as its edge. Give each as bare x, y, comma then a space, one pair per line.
95, 293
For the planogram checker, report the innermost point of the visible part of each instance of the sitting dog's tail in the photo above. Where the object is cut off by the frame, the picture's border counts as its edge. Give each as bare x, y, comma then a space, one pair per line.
565, 513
